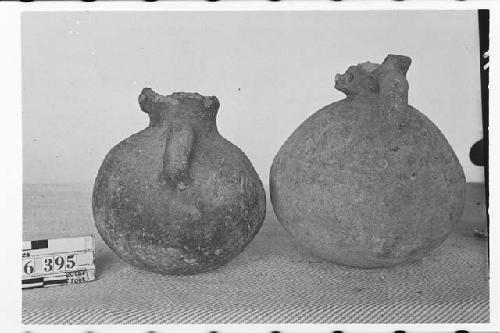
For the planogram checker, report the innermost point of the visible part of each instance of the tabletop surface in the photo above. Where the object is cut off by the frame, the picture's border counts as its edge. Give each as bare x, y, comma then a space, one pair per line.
272, 281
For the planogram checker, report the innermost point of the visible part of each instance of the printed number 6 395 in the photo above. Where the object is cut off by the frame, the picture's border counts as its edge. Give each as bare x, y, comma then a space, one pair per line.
49, 264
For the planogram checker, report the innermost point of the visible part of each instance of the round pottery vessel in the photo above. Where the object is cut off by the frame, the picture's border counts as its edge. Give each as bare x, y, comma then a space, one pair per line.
176, 197
368, 181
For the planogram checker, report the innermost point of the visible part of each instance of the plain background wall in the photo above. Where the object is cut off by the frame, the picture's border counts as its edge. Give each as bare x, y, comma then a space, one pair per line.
83, 71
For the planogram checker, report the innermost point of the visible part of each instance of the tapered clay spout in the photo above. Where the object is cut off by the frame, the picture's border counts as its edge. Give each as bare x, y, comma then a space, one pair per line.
392, 83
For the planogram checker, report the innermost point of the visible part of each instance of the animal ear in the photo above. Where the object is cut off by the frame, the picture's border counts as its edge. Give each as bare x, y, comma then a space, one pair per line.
368, 66
147, 100
154, 104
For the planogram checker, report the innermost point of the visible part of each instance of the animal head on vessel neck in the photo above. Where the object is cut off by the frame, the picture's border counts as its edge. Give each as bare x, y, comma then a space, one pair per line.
178, 105
368, 78
357, 80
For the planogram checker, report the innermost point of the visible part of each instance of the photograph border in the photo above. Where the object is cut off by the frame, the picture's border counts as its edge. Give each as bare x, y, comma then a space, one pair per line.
10, 85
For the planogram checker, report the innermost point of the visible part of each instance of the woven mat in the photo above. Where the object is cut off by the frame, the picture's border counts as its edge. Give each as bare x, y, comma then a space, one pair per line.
272, 281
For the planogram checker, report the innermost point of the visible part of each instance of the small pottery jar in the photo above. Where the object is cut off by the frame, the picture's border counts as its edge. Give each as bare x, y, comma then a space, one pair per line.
176, 197
368, 181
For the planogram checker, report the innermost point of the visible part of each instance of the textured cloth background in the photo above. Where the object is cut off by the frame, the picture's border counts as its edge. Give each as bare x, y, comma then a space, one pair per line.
272, 281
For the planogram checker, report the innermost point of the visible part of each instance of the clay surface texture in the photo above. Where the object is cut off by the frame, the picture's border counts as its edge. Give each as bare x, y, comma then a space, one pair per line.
368, 181
176, 197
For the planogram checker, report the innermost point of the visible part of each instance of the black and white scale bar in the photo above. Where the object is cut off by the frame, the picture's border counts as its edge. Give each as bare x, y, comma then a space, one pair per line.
39, 244
33, 283
36, 245
74, 277
44, 281
54, 280
58, 245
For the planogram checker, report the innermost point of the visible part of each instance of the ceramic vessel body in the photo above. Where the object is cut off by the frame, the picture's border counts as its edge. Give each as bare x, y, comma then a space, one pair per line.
368, 181
176, 197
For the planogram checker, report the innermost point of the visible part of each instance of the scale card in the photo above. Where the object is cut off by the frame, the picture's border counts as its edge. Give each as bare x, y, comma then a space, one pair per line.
52, 262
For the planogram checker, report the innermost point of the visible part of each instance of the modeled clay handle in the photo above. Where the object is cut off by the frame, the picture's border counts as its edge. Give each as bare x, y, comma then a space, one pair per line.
176, 158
